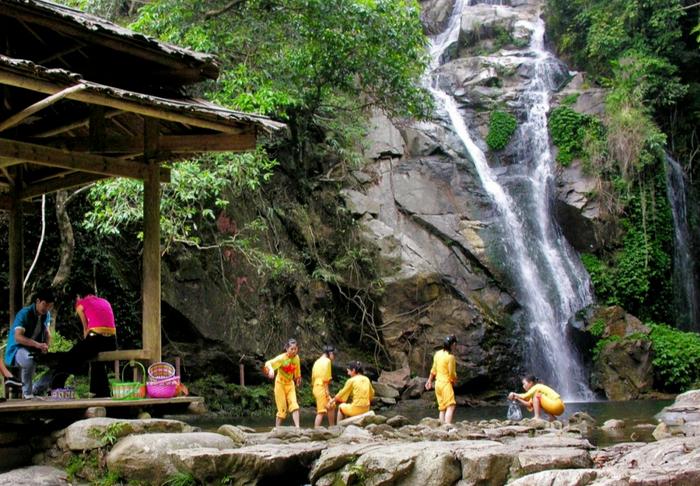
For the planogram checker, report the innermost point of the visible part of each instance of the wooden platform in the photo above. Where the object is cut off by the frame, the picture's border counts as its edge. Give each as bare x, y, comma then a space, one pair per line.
18, 411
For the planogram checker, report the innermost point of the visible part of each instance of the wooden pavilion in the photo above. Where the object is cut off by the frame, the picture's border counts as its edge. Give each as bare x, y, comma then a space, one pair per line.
82, 99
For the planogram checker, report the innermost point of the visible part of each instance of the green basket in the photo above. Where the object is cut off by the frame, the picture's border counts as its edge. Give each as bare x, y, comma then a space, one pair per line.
129, 390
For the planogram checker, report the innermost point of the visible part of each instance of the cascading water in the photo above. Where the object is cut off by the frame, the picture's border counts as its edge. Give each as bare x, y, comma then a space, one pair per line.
685, 277
551, 283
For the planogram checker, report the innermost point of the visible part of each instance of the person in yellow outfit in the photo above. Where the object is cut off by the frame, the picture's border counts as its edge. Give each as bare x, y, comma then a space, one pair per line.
288, 369
538, 397
359, 387
321, 376
444, 372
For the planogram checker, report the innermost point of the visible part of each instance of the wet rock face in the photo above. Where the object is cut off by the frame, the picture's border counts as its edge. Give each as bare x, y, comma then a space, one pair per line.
624, 369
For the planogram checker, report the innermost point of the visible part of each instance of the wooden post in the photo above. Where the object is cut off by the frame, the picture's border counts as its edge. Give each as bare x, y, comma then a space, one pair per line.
16, 245
151, 244
241, 373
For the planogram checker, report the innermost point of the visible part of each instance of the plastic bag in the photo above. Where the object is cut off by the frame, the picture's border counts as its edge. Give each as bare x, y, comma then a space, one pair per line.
514, 412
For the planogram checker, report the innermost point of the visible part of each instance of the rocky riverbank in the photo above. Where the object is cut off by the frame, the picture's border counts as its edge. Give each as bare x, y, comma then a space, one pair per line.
372, 450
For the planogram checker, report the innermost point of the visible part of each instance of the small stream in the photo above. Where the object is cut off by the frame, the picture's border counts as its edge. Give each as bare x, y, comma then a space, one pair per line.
636, 414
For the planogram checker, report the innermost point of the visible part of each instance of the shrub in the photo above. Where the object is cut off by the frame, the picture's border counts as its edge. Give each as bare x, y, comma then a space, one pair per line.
570, 130
501, 129
676, 357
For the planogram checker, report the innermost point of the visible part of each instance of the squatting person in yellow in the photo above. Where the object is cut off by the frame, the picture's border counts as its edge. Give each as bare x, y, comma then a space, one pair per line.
444, 372
321, 376
288, 373
538, 397
359, 387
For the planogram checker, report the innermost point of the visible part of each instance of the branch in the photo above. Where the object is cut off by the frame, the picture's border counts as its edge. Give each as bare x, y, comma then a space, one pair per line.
224, 9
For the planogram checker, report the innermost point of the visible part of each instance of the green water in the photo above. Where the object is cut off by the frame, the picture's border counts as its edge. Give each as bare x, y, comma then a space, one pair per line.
638, 416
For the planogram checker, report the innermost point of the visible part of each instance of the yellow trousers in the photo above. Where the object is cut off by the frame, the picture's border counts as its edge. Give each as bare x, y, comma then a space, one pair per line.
321, 398
350, 410
445, 395
285, 398
552, 407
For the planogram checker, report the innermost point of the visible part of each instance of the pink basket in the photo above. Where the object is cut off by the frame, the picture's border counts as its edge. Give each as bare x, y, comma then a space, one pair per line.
164, 388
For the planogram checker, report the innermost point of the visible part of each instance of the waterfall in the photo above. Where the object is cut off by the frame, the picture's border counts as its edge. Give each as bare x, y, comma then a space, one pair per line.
550, 281
685, 277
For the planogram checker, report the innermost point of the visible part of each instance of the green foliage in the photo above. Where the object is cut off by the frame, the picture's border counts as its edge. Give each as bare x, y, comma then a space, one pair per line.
110, 435
310, 63
597, 328
501, 128
602, 343
570, 99
181, 479
637, 275
569, 130
233, 399
59, 343
197, 188
74, 467
676, 357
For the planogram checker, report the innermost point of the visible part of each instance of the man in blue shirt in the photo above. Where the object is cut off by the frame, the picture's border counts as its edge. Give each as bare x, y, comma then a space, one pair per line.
30, 334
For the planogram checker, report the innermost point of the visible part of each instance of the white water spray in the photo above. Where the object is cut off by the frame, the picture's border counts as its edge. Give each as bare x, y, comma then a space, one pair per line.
551, 283
685, 278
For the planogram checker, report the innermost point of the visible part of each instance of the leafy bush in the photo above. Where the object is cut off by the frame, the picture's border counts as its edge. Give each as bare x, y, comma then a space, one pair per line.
501, 129
234, 399
676, 357
569, 130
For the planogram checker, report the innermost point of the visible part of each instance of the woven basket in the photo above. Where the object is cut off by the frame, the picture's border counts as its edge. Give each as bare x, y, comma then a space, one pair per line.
164, 388
129, 390
161, 371
67, 393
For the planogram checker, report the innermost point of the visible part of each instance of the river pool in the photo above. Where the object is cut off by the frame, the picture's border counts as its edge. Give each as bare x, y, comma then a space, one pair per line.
638, 416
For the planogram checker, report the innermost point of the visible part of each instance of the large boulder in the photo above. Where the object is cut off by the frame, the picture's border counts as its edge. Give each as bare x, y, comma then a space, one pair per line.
624, 370
35, 476
680, 418
149, 457
265, 463
94, 433
397, 379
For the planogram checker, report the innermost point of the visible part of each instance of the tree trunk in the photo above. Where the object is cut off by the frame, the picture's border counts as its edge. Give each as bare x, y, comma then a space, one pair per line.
67, 247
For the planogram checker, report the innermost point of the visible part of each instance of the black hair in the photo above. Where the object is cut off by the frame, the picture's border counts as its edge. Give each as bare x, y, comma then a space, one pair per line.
82, 289
448, 342
356, 366
290, 342
531, 378
46, 295
328, 348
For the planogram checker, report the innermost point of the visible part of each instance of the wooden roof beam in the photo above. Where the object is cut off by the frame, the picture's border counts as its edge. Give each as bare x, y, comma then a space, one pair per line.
138, 48
21, 152
75, 179
168, 144
77, 124
94, 97
17, 118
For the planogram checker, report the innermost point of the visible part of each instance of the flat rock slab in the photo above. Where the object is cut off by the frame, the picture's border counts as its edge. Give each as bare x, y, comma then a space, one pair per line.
430, 463
35, 476
92, 433
149, 457
269, 463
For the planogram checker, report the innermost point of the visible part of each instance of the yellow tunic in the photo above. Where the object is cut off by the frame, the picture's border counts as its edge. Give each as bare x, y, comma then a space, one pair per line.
445, 371
549, 399
321, 375
360, 388
288, 369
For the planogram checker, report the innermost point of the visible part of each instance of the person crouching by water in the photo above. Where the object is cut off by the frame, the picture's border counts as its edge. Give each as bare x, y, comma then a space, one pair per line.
539, 397
321, 376
359, 387
288, 369
444, 372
